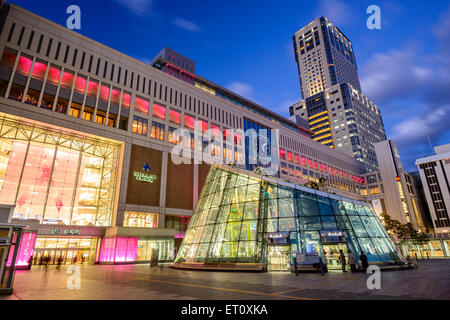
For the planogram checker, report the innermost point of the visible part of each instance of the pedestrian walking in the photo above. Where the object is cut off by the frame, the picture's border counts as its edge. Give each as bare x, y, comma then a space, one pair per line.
60, 260
351, 261
321, 267
364, 261
342, 260
295, 266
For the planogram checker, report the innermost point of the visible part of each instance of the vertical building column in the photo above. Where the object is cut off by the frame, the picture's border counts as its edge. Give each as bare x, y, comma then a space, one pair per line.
123, 185
163, 187
25, 91
195, 186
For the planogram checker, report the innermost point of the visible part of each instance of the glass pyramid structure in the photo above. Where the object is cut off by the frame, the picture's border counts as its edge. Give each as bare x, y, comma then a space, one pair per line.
239, 213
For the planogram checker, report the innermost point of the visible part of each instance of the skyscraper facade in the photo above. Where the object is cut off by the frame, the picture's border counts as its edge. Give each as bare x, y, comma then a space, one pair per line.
324, 57
339, 115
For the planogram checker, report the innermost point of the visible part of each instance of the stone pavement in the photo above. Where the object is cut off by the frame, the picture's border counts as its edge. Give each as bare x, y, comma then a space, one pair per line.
140, 282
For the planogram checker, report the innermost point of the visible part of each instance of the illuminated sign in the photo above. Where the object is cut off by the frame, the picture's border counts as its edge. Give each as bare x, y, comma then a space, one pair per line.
332, 236
66, 232
278, 238
144, 177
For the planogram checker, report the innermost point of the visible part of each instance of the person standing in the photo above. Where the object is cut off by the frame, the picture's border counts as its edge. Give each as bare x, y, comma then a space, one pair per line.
364, 261
351, 261
342, 260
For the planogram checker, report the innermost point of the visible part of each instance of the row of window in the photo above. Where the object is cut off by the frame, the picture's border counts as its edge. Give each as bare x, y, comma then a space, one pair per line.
121, 76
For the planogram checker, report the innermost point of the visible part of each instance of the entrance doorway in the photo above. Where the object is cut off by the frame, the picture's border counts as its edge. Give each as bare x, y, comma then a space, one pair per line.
68, 250
331, 252
68, 256
278, 258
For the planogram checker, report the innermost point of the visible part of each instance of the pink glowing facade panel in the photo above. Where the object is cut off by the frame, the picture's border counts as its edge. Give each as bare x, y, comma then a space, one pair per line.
39, 70
174, 116
26, 249
104, 93
24, 65
189, 122
159, 111
118, 249
53, 75
80, 84
141, 105
92, 89
126, 100
67, 80
115, 96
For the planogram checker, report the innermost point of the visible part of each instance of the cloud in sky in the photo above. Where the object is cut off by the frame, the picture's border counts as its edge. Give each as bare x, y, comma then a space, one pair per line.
411, 88
138, 7
243, 89
186, 25
337, 11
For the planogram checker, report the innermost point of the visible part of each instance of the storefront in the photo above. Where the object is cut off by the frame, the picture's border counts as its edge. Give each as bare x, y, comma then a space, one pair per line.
435, 248
247, 220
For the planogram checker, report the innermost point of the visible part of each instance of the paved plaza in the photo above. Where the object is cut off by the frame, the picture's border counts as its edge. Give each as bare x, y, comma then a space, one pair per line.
140, 282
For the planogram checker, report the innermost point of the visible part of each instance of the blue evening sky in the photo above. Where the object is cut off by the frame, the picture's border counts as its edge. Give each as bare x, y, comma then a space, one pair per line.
246, 46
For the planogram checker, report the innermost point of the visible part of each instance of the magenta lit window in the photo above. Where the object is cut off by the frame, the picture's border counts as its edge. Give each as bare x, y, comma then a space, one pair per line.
53, 75
159, 111
141, 105
39, 70
24, 65
80, 84
174, 116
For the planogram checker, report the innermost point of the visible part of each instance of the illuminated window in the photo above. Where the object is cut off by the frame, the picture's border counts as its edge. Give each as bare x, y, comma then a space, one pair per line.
159, 111
282, 154
67, 79
157, 131
296, 159
174, 116
92, 88
87, 116
74, 185
80, 84
126, 99
140, 125
189, 122
289, 156
203, 125
173, 136
53, 75
24, 65
39, 70
140, 219
104, 93
141, 105
115, 96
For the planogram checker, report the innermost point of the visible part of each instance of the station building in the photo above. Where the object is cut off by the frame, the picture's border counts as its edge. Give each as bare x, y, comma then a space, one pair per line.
86, 135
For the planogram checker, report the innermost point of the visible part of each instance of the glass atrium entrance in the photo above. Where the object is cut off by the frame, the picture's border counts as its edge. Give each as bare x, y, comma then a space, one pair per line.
331, 252
278, 258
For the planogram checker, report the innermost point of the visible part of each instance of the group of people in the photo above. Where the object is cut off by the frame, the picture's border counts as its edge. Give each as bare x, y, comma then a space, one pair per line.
352, 261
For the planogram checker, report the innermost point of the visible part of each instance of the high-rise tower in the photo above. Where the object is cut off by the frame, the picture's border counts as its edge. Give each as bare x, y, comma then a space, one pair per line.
339, 115
324, 57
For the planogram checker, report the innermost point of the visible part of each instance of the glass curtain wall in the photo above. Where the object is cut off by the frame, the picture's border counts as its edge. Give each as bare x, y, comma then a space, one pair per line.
56, 177
236, 212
